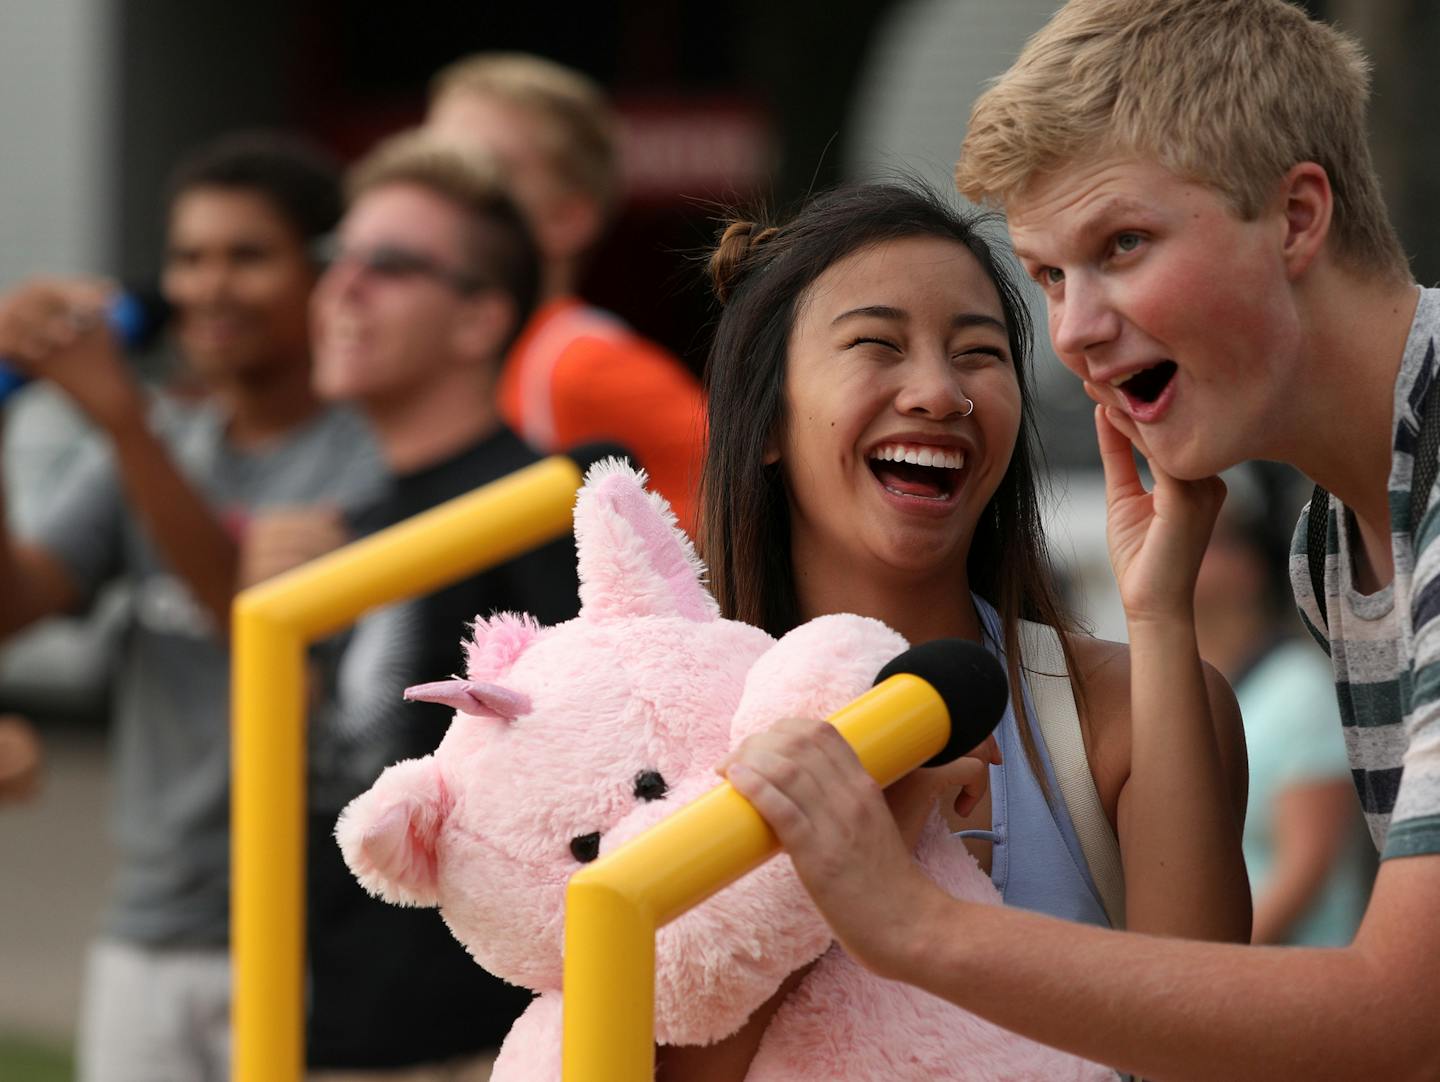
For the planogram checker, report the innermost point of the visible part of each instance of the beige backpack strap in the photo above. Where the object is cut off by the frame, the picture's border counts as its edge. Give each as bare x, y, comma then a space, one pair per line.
1059, 724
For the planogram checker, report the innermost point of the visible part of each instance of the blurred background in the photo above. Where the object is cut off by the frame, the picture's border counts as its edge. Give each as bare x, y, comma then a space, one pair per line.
722, 104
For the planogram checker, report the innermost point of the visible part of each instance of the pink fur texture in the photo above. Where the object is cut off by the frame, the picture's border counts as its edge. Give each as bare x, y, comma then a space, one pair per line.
602, 726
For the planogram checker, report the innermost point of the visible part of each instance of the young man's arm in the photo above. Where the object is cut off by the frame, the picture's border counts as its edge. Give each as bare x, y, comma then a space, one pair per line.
1182, 807
1157, 1007
1164, 1009
39, 332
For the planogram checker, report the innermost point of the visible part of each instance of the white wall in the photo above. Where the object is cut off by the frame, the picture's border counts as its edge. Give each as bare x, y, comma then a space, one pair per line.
57, 116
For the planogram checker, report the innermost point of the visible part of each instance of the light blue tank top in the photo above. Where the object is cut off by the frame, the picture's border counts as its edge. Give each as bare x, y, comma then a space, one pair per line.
1037, 862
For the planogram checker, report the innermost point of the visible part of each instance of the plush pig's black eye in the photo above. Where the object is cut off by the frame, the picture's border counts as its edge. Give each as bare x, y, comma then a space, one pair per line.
649, 785
586, 847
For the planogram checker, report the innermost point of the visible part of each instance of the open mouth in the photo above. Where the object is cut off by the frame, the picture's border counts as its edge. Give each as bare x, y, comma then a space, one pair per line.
1147, 385
926, 473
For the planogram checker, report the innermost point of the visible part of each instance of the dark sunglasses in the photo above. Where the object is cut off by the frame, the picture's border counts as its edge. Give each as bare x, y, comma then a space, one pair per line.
395, 263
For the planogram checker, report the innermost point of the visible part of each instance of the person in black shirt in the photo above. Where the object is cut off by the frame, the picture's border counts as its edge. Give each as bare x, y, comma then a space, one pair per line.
432, 276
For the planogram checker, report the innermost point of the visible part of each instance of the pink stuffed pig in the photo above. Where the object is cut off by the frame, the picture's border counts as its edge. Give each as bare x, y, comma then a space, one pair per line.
568, 741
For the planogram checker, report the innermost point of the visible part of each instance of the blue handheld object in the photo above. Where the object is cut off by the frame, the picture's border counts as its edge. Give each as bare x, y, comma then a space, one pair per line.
134, 319
10, 381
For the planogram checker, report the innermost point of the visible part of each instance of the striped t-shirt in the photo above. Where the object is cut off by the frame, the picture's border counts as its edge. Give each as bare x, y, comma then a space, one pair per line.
1385, 646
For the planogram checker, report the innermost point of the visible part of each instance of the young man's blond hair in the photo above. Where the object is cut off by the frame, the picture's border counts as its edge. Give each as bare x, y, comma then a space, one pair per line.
1229, 93
467, 176
577, 122
501, 250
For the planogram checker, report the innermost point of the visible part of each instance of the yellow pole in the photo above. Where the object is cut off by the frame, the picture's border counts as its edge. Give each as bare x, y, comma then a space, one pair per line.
435, 548
268, 844
618, 968
615, 905
273, 623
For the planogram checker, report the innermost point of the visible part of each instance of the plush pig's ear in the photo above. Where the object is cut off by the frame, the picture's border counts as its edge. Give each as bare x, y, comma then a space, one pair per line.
634, 559
496, 643
472, 697
388, 833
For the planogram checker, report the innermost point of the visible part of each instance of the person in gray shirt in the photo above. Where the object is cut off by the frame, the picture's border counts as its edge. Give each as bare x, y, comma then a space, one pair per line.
163, 500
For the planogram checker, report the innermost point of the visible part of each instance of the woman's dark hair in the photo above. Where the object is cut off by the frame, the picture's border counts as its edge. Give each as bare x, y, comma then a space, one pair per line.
297, 178
761, 273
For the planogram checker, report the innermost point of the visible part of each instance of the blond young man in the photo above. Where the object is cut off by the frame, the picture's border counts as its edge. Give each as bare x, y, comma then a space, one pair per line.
577, 373
1188, 181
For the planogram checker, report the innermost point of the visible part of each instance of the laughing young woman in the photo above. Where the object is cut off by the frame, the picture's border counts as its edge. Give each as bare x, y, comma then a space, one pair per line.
871, 451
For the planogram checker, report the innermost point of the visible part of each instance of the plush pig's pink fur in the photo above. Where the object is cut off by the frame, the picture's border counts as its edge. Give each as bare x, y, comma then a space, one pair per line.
648, 677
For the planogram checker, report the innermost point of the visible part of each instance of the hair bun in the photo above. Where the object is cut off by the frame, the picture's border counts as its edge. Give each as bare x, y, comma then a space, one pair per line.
734, 255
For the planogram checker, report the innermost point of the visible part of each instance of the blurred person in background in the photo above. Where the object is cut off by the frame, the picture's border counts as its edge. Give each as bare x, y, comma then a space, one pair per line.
1305, 842
164, 501
433, 274
577, 373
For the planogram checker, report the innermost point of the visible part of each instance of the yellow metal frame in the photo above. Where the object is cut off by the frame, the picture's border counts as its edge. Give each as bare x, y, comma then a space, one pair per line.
614, 906
272, 626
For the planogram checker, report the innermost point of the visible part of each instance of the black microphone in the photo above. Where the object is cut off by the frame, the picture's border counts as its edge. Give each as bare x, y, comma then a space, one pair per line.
135, 318
969, 680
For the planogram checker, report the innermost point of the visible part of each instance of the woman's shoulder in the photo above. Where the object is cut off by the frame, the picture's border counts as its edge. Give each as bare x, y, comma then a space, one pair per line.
1103, 673
1102, 669
1102, 680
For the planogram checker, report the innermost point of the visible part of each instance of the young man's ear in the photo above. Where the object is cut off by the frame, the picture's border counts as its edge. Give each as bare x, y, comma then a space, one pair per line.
1308, 203
488, 323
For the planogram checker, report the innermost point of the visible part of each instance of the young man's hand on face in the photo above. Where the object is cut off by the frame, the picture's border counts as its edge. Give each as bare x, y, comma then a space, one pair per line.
1157, 538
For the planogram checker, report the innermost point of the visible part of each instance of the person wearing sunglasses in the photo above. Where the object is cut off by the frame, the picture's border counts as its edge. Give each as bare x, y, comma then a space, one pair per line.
578, 372
429, 279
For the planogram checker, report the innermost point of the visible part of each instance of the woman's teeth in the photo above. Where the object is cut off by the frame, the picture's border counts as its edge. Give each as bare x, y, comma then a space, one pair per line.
940, 457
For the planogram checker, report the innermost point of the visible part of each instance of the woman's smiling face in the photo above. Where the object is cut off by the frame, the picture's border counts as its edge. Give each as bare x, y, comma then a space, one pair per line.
887, 464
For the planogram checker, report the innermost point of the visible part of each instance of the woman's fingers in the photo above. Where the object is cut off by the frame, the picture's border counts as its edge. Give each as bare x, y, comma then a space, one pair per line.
988, 750
973, 777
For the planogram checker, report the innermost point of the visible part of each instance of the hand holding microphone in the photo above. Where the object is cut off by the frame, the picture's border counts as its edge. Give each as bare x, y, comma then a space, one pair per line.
831, 816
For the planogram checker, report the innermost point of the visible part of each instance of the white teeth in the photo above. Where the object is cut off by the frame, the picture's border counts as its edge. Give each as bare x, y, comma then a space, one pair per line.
949, 458
1120, 381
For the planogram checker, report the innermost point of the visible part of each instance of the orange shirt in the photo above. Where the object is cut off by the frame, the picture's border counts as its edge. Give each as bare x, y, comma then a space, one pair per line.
578, 373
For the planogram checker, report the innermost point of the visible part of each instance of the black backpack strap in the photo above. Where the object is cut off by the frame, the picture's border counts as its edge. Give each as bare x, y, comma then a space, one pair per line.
1426, 460
1316, 536
1427, 454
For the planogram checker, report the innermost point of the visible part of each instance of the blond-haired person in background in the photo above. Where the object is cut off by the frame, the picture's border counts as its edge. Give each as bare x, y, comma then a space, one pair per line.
577, 373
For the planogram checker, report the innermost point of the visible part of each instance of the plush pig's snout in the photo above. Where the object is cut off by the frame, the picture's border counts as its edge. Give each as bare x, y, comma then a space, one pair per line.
388, 833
